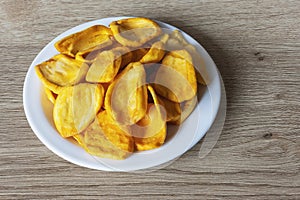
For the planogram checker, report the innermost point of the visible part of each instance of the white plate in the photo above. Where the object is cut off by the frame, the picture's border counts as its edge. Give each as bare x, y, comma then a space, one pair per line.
39, 115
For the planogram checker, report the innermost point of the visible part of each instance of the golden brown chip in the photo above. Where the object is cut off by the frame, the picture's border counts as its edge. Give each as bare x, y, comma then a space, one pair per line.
176, 79
150, 132
164, 38
61, 71
126, 55
107, 64
88, 40
187, 108
138, 53
173, 110
200, 67
89, 56
134, 32
177, 113
105, 87
79, 139
178, 42
126, 97
156, 52
50, 95
105, 67
76, 107
104, 138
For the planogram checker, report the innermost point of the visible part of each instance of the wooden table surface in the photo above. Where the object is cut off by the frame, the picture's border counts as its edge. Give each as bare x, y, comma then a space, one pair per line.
256, 46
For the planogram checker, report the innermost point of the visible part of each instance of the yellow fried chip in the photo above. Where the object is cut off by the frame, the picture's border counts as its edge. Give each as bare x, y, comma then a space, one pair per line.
176, 79
187, 108
104, 138
61, 71
150, 132
126, 96
173, 110
134, 32
105, 67
178, 42
83, 42
79, 139
177, 113
126, 55
138, 53
89, 56
156, 52
76, 107
50, 95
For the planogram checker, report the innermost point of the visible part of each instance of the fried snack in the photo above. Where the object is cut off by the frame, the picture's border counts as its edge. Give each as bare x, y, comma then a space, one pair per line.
76, 107
79, 139
177, 113
104, 138
173, 110
178, 42
134, 32
187, 108
50, 95
126, 55
105, 67
83, 42
60, 71
98, 85
180, 84
126, 96
139, 53
156, 52
89, 56
150, 132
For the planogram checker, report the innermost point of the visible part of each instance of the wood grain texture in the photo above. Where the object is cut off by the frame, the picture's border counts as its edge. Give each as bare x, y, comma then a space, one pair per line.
256, 46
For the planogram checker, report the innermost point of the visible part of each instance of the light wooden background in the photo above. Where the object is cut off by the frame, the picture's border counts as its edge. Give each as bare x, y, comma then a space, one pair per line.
256, 46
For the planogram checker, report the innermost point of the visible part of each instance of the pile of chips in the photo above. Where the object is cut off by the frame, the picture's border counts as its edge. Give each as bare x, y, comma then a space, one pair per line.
116, 88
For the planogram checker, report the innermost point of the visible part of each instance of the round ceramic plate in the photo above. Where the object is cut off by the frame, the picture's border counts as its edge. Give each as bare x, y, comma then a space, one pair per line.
38, 111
